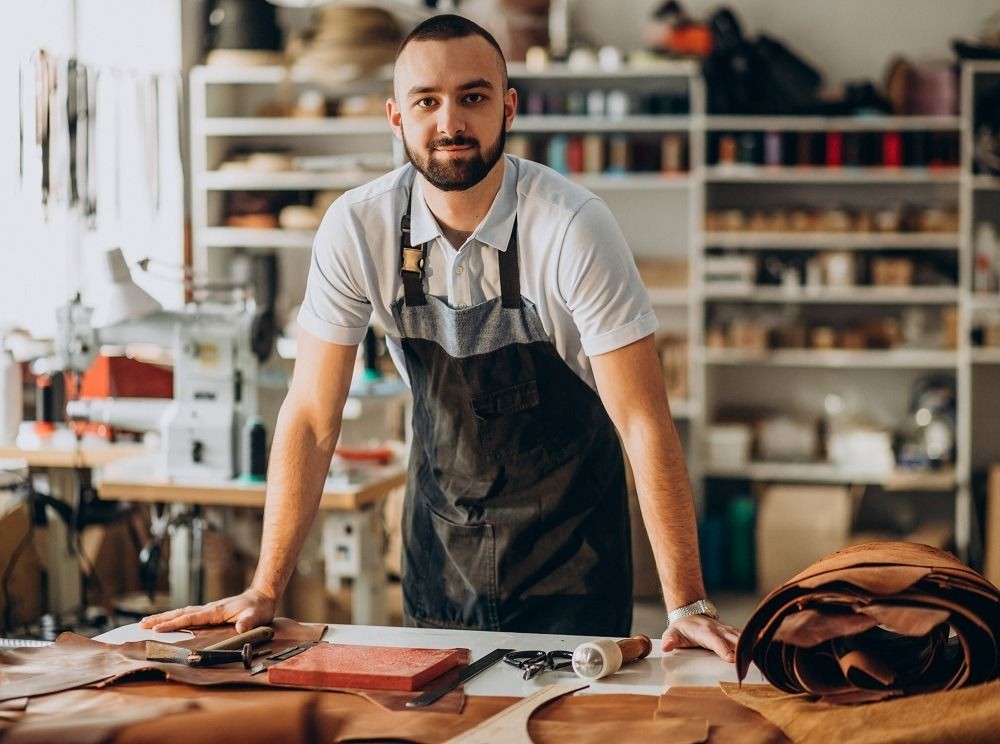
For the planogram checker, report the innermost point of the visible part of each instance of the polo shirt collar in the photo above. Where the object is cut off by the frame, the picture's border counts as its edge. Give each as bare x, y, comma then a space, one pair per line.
495, 228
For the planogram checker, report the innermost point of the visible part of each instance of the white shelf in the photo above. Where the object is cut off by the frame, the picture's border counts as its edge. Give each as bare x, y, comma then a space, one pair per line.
838, 295
683, 409
274, 74
764, 174
669, 296
986, 183
834, 358
852, 241
528, 124
557, 71
985, 355
823, 472
235, 237
985, 301
835, 123
286, 180
252, 126
632, 181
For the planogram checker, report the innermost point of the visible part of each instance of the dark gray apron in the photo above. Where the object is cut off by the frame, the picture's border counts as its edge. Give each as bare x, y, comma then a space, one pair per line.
516, 516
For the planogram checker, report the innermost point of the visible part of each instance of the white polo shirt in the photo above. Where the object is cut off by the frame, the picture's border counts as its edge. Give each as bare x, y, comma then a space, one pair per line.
575, 265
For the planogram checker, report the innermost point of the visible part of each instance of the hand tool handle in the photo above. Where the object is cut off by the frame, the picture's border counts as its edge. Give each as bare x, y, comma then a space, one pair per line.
635, 648
254, 637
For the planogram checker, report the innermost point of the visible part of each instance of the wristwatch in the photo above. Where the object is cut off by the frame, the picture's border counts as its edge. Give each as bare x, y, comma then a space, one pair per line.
701, 607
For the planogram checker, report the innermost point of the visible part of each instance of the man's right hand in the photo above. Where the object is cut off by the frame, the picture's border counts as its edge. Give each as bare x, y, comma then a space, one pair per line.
246, 610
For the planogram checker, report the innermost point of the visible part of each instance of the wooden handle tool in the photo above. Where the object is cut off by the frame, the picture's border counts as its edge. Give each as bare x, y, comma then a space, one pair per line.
254, 637
600, 658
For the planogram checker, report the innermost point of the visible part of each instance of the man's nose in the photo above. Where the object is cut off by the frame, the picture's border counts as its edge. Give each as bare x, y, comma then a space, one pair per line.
450, 119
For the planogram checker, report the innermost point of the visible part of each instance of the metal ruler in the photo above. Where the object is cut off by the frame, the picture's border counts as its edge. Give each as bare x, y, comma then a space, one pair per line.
511, 724
439, 691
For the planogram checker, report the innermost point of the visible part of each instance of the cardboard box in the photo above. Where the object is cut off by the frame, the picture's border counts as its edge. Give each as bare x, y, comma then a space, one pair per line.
25, 587
892, 272
796, 526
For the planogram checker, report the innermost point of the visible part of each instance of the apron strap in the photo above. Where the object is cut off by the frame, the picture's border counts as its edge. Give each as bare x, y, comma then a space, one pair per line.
412, 261
411, 265
510, 276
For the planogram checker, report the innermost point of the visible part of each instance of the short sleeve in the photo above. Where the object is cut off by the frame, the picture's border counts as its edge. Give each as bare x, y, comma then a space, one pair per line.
600, 284
335, 307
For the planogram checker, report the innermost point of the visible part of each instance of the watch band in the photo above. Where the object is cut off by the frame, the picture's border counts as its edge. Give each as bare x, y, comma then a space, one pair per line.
699, 607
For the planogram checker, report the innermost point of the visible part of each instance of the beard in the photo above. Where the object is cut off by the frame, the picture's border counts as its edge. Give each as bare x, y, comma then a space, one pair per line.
457, 174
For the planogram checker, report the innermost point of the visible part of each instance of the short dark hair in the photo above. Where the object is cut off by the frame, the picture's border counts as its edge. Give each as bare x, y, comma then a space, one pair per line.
449, 26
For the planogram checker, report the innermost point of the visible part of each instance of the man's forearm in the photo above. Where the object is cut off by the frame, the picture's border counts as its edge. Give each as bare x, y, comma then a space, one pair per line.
297, 471
667, 507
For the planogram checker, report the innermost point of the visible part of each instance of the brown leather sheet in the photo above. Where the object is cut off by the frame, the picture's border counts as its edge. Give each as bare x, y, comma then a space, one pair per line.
207, 715
727, 721
74, 661
967, 716
85, 717
876, 621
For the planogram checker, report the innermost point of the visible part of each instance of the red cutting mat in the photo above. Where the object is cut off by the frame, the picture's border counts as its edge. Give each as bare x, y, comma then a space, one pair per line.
364, 667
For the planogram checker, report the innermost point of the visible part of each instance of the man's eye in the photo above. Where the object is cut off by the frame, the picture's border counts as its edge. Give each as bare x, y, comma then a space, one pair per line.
475, 98
425, 102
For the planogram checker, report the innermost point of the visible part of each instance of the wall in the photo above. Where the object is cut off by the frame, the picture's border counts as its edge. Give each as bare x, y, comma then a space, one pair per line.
48, 255
846, 39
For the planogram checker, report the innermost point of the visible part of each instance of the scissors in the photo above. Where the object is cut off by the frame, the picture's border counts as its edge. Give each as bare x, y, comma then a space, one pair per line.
534, 663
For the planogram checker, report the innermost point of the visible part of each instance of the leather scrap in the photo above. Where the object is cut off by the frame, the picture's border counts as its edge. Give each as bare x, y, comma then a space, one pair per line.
967, 716
873, 622
728, 721
74, 661
85, 717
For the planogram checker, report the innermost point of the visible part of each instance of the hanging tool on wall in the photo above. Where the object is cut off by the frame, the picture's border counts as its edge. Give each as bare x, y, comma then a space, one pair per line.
82, 139
90, 162
43, 82
72, 119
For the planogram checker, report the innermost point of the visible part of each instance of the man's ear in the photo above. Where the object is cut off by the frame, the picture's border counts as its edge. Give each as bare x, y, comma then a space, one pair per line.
394, 114
509, 108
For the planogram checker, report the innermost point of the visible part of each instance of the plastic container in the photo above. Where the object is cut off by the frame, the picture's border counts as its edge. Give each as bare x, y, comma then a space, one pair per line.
729, 444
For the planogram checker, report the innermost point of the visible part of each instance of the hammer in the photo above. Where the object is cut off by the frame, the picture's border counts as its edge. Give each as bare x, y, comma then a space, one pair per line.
236, 648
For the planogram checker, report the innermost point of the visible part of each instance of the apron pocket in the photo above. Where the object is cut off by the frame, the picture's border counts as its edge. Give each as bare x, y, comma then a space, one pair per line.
509, 420
461, 588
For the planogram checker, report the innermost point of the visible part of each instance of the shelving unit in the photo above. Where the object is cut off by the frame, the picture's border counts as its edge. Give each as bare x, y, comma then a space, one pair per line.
659, 212
979, 377
663, 215
840, 241
224, 118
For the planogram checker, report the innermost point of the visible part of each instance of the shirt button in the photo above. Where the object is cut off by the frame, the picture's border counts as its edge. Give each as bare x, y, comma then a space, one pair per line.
459, 270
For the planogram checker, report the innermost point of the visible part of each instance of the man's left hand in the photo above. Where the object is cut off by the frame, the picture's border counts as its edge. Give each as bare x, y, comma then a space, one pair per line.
696, 631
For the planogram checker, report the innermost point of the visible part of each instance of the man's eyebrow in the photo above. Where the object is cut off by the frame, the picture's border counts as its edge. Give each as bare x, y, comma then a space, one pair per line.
472, 84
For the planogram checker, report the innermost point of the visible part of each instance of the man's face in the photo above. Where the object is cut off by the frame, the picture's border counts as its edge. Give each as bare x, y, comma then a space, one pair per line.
451, 110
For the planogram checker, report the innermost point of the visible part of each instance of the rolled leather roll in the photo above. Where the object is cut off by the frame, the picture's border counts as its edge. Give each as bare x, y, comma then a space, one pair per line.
876, 621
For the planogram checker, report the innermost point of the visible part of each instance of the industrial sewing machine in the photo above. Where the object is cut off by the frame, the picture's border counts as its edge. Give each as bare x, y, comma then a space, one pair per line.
216, 349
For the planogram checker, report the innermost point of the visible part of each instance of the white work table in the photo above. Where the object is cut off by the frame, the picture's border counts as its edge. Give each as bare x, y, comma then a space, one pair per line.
651, 676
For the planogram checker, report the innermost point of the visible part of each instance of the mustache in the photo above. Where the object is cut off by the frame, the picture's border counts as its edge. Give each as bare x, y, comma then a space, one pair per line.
458, 140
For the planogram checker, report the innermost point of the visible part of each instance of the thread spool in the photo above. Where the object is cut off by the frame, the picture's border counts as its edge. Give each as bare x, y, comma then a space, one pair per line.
253, 453
604, 657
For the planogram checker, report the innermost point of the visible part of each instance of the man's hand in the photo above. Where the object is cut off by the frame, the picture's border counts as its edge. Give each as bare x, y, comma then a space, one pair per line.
702, 631
247, 610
